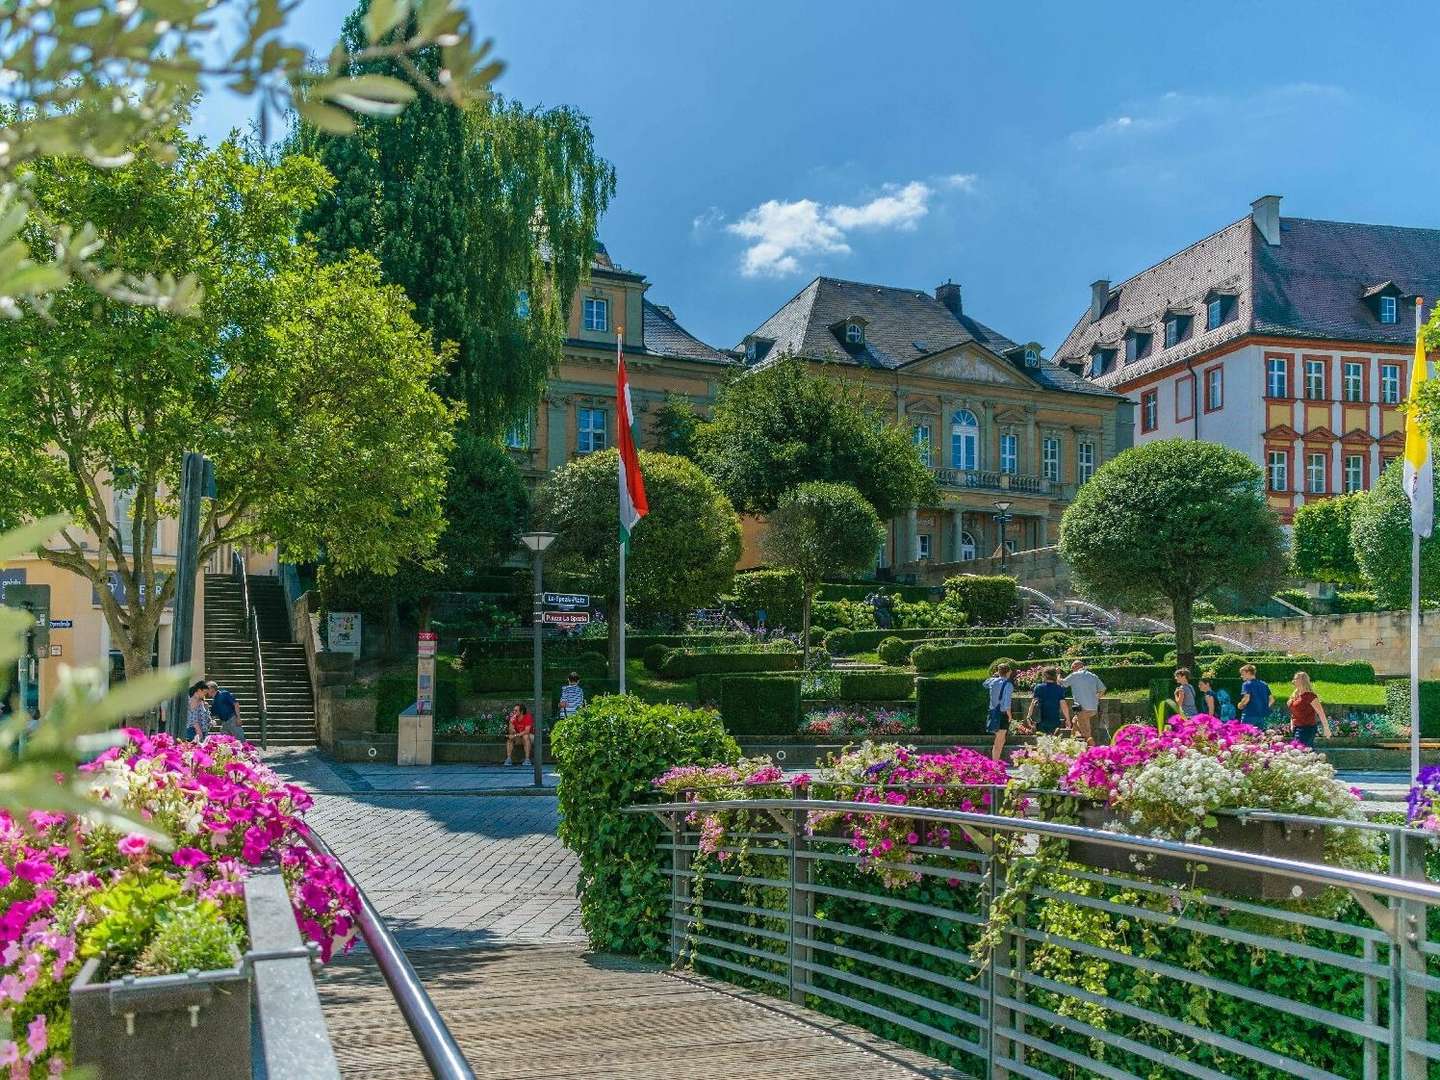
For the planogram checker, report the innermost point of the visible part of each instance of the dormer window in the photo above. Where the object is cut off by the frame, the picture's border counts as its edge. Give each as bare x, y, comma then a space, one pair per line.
1137, 345
1101, 361
1389, 309
1177, 328
751, 351
854, 334
1032, 356
1219, 309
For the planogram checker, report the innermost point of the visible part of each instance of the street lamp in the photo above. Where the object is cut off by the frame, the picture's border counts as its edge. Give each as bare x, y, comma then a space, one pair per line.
1002, 518
537, 542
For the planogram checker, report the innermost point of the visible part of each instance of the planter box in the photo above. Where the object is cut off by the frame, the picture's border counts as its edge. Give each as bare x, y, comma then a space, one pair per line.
1259, 837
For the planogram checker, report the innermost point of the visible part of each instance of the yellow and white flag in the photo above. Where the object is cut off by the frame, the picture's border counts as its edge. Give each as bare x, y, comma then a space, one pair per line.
1419, 471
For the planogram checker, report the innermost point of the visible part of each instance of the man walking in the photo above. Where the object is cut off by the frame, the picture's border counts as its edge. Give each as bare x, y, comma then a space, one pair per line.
1001, 691
572, 697
1049, 701
1254, 698
1085, 688
226, 711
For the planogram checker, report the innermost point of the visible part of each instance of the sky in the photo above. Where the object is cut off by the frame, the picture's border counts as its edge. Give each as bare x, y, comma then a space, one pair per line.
1021, 149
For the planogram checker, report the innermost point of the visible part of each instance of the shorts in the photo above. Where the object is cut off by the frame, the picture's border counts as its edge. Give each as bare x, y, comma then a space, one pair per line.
1305, 736
997, 721
1047, 727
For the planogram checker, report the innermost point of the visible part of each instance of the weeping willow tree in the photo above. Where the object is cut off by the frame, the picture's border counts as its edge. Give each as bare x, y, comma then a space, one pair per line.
485, 215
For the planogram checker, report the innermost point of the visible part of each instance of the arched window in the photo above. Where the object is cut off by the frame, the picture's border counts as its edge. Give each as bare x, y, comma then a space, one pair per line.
967, 547
964, 440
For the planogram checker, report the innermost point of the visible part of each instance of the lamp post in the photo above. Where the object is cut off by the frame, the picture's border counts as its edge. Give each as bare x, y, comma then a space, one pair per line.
1002, 518
537, 542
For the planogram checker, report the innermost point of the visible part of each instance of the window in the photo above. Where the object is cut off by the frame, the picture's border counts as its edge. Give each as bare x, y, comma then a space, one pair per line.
967, 547
1177, 329
922, 442
1184, 398
1219, 310
1354, 381
1149, 410
854, 334
522, 304
1051, 455
590, 428
1009, 453
924, 546
964, 441
1315, 473
1215, 389
1277, 377
1390, 384
1137, 345
518, 437
597, 313
1032, 356
1315, 380
1101, 361
751, 351
1084, 460
1389, 309
1278, 466
1354, 472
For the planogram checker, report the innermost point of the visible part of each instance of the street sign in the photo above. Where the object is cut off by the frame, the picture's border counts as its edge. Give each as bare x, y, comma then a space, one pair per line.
565, 618
61, 624
428, 643
566, 600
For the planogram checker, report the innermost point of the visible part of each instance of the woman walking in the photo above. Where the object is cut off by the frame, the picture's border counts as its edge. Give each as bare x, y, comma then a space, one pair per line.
1185, 693
1306, 712
197, 715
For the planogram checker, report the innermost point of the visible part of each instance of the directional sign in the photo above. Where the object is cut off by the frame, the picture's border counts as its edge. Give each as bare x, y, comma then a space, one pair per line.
565, 618
61, 624
428, 643
566, 600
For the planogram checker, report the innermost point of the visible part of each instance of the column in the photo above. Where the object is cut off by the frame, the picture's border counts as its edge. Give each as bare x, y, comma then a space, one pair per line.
984, 459
1029, 464
942, 456
912, 535
957, 526
556, 434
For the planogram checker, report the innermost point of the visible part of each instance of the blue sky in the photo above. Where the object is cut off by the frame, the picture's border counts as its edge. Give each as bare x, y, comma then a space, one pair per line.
1022, 149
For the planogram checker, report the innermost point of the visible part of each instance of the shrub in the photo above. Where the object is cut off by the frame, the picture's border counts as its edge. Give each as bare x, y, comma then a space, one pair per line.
1397, 704
475, 649
951, 704
396, 693
876, 685
192, 937
941, 657
760, 705
1020, 637
778, 592
847, 642
654, 656
680, 664
608, 752
1280, 669
506, 675
1297, 598
859, 590
987, 600
894, 650
843, 614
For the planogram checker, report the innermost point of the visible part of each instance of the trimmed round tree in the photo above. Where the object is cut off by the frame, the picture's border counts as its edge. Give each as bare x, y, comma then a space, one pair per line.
818, 530
1320, 544
1380, 537
682, 554
1170, 521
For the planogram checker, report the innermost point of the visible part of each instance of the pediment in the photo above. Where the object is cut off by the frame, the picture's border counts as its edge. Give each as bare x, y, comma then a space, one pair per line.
967, 366
1358, 435
1321, 434
1395, 438
1282, 432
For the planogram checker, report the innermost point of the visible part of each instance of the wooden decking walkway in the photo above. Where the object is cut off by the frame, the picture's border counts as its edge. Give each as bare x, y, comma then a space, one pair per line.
531, 1012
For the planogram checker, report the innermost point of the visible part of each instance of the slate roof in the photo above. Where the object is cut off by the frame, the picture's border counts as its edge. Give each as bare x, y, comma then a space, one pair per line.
1312, 285
902, 326
665, 336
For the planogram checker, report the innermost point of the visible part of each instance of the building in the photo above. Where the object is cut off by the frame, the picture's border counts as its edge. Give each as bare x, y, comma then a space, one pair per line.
576, 415
1288, 339
995, 420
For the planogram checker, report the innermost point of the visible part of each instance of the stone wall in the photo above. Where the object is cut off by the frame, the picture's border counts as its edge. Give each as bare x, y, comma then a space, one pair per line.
1041, 569
1380, 637
336, 716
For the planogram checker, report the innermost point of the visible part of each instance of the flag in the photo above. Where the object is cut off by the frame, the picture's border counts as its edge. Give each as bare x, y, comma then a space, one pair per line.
633, 504
1419, 470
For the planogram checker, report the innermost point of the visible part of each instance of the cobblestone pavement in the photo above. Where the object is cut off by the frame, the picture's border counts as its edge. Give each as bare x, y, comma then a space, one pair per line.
323, 774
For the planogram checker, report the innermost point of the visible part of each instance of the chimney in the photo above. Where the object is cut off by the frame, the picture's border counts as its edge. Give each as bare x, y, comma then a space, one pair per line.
949, 295
1265, 211
1099, 297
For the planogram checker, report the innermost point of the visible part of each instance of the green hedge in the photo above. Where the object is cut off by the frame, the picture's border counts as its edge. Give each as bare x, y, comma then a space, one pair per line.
913, 594
1277, 671
608, 753
396, 693
876, 685
849, 642
949, 657
991, 599
487, 675
473, 649
760, 705
951, 704
777, 591
894, 650
684, 665
1397, 703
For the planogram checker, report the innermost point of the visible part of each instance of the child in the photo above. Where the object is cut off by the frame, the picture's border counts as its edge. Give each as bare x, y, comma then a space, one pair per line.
520, 728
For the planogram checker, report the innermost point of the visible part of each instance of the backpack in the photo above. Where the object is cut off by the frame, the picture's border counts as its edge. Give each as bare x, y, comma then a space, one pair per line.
1224, 704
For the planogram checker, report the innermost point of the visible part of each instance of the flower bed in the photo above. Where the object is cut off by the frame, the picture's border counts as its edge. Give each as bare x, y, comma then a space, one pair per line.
163, 900
857, 723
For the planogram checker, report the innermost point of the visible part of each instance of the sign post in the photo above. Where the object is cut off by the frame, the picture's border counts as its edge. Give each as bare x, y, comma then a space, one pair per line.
417, 723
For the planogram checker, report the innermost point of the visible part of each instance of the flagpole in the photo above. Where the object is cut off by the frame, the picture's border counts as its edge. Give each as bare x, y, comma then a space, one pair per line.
1415, 608
623, 419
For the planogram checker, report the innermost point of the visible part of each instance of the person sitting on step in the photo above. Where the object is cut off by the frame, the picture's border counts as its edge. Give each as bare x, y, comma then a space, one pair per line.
519, 727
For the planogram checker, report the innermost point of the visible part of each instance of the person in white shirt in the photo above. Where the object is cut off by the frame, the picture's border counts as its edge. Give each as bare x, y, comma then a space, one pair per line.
572, 697
1085, 688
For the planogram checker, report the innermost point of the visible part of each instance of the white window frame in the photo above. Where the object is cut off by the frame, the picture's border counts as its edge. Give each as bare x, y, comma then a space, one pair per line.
1032, 357
591, 437
1050, 452
1215, 313
854, 334
1354, 472
1277, 377
1215, 389
596, 314
968, 548
921, 437
1312, 368
1277, 469
1010, 453
1084, 460
964, 441
1317, 464
1389, 309
1390, 384
1349, 367
1149, 411
922, 547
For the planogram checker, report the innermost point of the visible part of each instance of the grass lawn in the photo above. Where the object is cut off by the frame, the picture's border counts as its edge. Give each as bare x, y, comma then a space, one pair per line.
649, 687
1364, 694
867, 658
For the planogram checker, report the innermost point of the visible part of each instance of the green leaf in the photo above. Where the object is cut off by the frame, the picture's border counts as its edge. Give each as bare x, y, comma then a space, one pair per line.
326, 118
135, 696
27, 538
383, 16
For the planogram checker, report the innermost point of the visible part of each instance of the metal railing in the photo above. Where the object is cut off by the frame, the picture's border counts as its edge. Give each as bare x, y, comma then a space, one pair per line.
795, 912
437, 1046
252, 628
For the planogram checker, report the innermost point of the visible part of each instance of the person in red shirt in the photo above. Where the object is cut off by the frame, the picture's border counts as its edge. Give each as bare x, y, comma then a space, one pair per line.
520, 727
1306, 712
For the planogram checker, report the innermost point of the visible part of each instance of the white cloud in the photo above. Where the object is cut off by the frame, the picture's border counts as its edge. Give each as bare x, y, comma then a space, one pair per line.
1173, 108
780, 233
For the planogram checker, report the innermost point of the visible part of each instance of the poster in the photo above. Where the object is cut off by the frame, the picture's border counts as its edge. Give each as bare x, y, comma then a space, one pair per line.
342, 629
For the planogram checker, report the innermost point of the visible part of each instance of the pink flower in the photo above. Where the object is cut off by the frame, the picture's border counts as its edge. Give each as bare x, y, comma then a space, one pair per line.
133, 845
189, 857
35, 871
9, 1053
37, 1036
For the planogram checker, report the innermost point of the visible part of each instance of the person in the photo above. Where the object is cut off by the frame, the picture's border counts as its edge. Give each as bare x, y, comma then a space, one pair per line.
1306, 712
1255, 698
572, 697
1224, 703
1002, 692
520, 727
197, 713
1184, 693
1205, 691
1085, 688
226, 711
1049, 701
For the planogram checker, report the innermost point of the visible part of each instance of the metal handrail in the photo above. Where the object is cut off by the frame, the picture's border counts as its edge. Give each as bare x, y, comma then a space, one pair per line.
437, 1046
252, 623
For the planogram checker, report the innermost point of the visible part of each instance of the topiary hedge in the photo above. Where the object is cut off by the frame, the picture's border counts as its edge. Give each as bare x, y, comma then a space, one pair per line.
777, 592
894, 650
912, 594
608, 753
489, 675
759, 704
951, 704
989, 600
654, 656
679, 664
946, 657
474, 649
1397, 704
1282, 669
876, 685
848, 642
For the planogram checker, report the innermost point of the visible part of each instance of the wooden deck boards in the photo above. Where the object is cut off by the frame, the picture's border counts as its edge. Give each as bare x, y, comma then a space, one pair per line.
534, 1012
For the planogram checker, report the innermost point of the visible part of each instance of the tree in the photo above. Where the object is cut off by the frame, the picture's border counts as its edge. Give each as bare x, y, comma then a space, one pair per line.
486, 506
307, 386
1171, 520
820, 529
675, 424
682, 554
1380, 536
782, 425
1320, 543
485, 216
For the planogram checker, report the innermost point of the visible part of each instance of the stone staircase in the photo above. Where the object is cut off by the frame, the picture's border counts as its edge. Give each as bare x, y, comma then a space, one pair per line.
230, 660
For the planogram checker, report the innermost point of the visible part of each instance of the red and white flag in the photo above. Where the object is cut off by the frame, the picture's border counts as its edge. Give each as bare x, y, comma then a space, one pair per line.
633, 504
